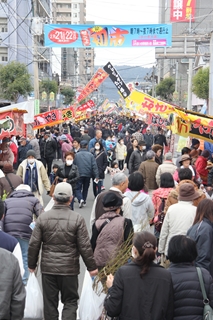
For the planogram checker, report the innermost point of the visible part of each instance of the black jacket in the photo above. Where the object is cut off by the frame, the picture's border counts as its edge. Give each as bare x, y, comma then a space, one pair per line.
48, 148
72, 176
101, 160
149, 139
202, 234
135, 160
160, 139
188, 300
22, 152
134, 298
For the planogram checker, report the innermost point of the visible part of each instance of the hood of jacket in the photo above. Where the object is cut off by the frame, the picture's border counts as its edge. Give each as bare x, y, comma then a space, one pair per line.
21, 194
139, 200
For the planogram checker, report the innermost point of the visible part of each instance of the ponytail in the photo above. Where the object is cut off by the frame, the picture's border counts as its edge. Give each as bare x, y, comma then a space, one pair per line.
145, 243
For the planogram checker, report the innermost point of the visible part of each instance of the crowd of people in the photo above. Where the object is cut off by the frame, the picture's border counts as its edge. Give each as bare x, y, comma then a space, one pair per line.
166, 209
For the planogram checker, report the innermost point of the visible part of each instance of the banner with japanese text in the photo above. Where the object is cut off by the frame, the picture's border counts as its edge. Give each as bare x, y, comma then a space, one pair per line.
185, 129
12, 124
68, 113
117, 80
157, 120
143, 103
82, 36
87, 105
49, 118
93, 84
182, 10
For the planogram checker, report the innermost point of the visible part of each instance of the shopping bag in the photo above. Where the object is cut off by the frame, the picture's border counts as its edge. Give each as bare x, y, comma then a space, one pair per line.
34, 300
91, 303
49, 205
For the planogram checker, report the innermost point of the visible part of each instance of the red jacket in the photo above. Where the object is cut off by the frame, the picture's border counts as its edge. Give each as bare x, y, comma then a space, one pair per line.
14, 150
200, 165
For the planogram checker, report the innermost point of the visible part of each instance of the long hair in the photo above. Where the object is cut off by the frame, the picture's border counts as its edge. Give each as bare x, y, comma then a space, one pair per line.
204, 210
145, 243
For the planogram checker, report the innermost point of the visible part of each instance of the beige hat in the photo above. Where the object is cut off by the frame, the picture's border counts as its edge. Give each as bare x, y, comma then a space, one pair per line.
185, 157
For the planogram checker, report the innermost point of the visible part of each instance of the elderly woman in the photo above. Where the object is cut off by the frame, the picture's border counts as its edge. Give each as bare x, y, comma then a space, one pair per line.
140, 288
188, 299
185, 162
158, 149
142, 207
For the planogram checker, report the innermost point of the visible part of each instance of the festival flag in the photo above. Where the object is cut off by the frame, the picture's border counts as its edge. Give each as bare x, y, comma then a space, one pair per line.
93, 84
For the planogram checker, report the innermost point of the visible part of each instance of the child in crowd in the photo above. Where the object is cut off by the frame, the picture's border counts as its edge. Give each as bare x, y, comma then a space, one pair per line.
114, 168
53, 173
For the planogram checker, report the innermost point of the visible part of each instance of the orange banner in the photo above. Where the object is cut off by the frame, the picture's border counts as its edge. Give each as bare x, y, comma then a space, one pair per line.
93, 84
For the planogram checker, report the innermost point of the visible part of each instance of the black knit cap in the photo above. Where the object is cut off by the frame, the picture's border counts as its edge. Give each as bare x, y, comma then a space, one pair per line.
111, 201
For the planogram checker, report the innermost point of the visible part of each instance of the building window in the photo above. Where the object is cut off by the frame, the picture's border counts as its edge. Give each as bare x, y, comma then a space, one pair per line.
75, 6
3, 24
5, 1
3, 54
75, 15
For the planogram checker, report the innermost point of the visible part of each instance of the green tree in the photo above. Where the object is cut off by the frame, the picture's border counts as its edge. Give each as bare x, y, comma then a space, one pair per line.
200, 84
165, 89
48, 86
14, 81
68, 94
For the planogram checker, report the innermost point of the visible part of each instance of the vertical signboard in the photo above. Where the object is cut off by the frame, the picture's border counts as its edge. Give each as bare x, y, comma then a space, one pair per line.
182, 10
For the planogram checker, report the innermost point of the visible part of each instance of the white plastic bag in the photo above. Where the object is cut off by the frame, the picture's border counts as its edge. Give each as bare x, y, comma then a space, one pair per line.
49, 205
91, 304
34, 300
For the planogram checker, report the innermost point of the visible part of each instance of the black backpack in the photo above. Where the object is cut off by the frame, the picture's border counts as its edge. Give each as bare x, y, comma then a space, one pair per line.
161, 215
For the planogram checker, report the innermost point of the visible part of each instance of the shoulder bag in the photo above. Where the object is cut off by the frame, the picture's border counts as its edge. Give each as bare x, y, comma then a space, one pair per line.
52, 188
10, 183
207, 310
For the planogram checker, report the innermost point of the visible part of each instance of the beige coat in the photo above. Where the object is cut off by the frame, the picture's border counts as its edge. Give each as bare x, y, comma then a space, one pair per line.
167, 166
42, 177
120, 151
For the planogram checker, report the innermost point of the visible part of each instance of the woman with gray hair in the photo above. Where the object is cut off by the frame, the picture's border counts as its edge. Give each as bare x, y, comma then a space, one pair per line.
148, 170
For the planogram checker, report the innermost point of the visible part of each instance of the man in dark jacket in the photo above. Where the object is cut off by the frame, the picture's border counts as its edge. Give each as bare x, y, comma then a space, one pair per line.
48, 147
12, 291
63, 236
148, 138
19, 210
23, 148
160, 138
85, 136
137, 157
88, 169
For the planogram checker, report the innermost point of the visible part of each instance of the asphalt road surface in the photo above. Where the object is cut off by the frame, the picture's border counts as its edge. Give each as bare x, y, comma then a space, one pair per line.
85, 212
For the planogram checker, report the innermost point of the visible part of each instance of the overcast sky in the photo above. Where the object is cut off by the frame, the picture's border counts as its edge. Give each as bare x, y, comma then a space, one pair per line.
123, 12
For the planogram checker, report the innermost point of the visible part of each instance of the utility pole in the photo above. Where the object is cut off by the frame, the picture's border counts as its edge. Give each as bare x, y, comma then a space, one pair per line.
189, 98
211, 77
35, 58
153, 81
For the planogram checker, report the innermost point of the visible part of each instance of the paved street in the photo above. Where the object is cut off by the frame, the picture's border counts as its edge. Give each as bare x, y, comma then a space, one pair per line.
85, 212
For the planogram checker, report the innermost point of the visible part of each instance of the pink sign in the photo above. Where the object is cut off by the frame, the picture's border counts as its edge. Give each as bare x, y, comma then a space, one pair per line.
149, 43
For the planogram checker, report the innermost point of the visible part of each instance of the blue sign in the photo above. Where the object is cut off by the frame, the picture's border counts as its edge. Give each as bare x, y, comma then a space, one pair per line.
113, 36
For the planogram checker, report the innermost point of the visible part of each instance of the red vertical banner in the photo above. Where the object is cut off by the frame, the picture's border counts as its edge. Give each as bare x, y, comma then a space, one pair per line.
182, 10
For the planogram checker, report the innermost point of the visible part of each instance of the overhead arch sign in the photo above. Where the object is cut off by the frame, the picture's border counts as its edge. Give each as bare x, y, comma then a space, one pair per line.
102, 36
